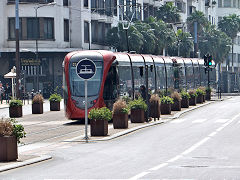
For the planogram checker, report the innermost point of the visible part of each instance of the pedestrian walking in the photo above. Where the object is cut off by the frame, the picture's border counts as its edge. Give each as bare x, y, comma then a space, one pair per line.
7, 93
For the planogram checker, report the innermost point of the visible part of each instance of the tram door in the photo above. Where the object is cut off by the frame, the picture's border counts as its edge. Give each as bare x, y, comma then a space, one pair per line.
111, 87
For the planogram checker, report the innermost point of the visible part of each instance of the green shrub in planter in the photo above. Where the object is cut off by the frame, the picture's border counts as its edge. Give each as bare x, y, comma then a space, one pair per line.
185, 95
166, 100
192, 93
15, 102
203, 89
199, 92
208, 89
55, 97
137, 104
99, 121
100, 114
15, 108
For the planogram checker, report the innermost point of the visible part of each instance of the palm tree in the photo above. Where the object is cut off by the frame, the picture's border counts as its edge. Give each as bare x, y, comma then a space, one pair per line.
231, 26
149, 39
168, 13
201, 20
165, 36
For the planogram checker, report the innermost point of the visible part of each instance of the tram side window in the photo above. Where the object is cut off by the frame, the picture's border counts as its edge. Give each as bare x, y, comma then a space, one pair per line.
170, 76
110, 91
125, 81
197, 76
182, 77
138, 79
151, 78
161, 83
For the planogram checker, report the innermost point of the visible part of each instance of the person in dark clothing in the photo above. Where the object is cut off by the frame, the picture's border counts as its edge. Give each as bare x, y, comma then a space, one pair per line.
7, 93
143, 94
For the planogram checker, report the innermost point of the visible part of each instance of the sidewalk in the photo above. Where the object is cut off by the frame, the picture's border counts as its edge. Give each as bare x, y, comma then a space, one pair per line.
27, 159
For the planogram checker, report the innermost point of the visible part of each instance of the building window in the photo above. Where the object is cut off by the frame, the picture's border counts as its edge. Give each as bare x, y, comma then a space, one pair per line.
85, 3
238, 3
31, 1
219, 3
227, 3
93, 31
32, 28
66, 30
86, 32
115, 7
12, 26
48, 28
65, 2
234, 3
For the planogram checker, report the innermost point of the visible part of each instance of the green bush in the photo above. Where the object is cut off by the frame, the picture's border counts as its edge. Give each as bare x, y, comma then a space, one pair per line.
10, 127
55, 97
185, 95
100, 114
208, 89
192, 93
166, 100
15, 102
199, 92
137, 104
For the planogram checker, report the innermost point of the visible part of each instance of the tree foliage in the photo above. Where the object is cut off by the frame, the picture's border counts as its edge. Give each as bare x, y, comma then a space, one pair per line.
168, 13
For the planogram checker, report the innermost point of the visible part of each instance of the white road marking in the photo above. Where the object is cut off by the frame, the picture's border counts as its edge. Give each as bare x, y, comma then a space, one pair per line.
139, 175
199, 121
192, 148
158, 166
176, 121
195, 146
222, 120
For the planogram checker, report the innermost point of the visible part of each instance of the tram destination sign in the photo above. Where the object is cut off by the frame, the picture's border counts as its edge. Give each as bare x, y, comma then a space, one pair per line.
86, 69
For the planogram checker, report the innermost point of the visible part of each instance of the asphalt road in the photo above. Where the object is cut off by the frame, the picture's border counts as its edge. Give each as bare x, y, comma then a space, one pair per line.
203, 144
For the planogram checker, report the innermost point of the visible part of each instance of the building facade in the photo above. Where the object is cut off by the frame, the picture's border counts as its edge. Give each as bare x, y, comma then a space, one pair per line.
49, 29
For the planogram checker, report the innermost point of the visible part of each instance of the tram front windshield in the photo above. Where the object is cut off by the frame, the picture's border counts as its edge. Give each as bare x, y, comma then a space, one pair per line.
77, 83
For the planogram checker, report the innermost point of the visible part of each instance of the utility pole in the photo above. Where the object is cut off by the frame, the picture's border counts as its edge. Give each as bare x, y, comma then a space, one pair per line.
195, 40
17, 49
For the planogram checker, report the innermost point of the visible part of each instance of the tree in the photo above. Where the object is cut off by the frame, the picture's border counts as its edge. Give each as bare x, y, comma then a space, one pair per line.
116, 37
231, 26
216, 43
149, 39
168, 13
201, 20
165, 36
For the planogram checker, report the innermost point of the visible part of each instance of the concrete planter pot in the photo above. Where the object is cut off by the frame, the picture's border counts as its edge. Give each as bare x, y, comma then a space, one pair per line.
176, 106
200, 98
54, 106
137, 116
185, 103
99, 127
120, 121
15, 111
165, 108
8, 148
193, 101
37, 108
155, 110
208, 96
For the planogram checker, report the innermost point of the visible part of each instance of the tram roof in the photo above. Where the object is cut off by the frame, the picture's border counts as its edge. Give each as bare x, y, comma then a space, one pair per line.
158, 59
167, 59
195, 61
148, 58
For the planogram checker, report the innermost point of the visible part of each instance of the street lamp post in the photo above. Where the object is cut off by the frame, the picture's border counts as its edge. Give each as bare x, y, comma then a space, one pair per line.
17, 48
37, 36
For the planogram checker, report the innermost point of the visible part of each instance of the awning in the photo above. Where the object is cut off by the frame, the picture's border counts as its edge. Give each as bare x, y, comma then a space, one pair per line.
10, 75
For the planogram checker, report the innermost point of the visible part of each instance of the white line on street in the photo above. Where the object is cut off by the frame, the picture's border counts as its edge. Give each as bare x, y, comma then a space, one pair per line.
158, 167
139, 175
195, 146
192, 148
178, 121
199, 120
221, 120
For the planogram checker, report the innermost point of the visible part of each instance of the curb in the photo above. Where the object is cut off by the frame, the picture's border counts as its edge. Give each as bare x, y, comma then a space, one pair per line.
25, 163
